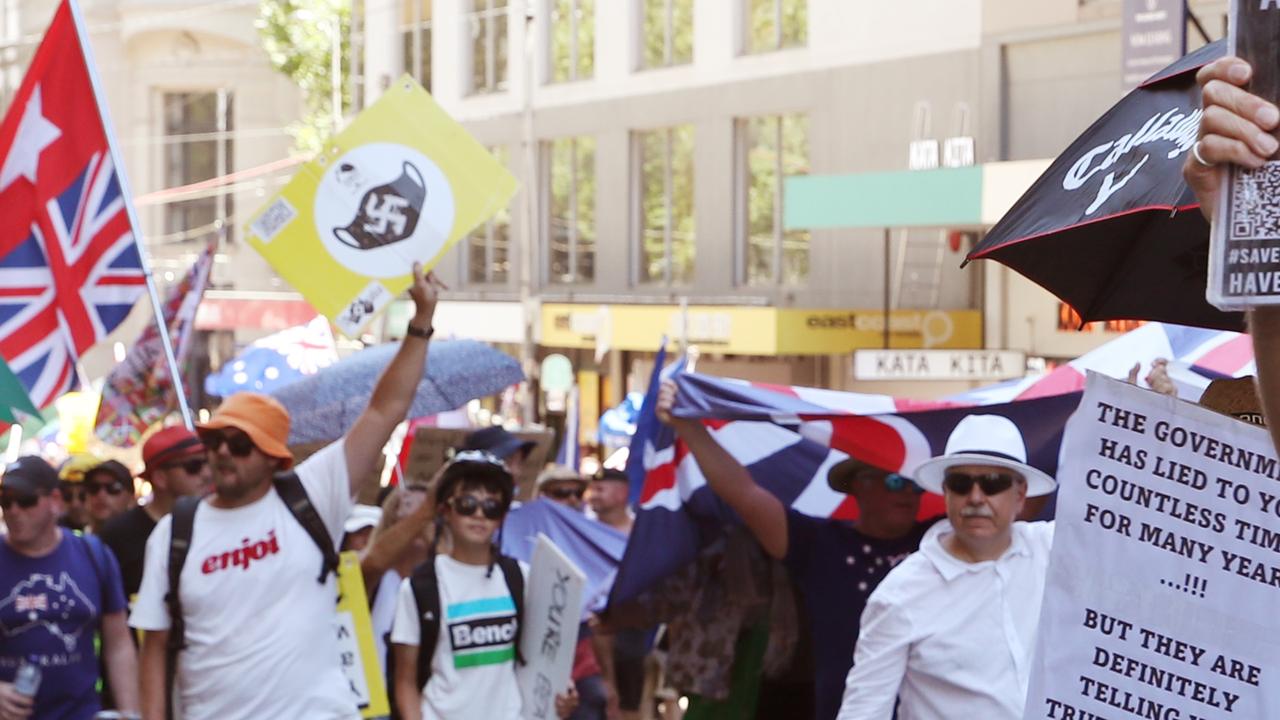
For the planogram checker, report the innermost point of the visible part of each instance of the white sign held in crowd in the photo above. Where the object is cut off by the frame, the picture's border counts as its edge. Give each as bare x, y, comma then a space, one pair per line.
1164, 577
552, 612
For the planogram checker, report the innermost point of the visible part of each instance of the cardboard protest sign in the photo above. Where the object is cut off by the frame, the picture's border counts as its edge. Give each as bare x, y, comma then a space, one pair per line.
358, 652
403, 183
1164, 576
431, 446
552, 611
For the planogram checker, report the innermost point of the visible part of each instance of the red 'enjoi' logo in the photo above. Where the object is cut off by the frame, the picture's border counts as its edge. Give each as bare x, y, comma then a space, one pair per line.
241, 556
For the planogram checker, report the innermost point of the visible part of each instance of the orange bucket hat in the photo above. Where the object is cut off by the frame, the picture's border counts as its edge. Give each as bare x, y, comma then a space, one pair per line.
259, 416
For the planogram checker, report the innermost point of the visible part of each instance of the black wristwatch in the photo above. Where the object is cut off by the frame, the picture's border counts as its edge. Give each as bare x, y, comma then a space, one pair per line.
412, 330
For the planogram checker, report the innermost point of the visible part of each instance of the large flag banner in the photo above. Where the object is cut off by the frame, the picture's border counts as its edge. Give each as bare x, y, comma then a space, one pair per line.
140, 391
15, 405
69, 267
402, 184
1163, 579
789, 438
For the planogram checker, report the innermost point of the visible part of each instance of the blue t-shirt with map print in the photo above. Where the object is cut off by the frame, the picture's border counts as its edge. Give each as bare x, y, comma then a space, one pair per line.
50, 615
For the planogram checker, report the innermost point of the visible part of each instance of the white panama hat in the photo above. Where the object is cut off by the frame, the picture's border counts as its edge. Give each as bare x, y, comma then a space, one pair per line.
984, 440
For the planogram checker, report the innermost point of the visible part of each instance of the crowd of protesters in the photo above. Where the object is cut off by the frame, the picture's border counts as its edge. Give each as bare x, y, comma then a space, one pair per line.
227, 573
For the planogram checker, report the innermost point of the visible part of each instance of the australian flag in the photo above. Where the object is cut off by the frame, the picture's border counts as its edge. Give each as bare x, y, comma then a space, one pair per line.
70, 268
788, 438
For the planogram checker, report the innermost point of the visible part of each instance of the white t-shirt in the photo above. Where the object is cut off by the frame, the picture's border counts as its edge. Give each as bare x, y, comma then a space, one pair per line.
260, 629
473, 671
383, 613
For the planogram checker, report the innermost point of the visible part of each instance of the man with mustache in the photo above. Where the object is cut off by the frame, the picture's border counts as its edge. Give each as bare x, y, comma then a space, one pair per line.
949, 633
257, 595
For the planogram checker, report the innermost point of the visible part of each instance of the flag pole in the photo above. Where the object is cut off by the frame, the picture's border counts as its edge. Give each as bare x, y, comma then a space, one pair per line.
107, 129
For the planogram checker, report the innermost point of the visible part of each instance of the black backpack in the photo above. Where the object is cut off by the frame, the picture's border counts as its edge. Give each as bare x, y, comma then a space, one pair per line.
294, 495
426, 594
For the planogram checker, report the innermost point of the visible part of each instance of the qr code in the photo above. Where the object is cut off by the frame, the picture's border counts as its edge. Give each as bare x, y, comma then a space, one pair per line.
1255, 203
274, 219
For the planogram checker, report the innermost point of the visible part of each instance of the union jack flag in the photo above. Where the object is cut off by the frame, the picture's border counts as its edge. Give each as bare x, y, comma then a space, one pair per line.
70, 269
30, 603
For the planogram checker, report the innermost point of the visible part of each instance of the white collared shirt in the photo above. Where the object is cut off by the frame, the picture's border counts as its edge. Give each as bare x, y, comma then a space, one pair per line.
952, 639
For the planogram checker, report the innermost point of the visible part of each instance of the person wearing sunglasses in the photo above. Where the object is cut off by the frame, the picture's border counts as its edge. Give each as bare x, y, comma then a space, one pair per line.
63, 592
562, 485
174, 464
949, 633
258, 640
108, 488
75, 498
835, 565
466, 669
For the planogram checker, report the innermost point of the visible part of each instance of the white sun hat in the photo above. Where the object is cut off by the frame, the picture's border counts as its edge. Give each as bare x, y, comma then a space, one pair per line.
361, 517
984, 440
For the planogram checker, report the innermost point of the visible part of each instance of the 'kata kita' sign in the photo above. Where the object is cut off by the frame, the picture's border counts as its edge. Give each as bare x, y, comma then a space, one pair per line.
1164, 578
939, 364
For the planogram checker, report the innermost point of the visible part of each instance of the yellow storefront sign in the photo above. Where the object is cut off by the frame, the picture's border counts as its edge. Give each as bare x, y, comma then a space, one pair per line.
402, 184
765, 331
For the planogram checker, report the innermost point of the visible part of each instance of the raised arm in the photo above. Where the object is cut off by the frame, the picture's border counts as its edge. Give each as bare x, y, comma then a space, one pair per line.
394, 392
1238, 127
763, 513
389, 544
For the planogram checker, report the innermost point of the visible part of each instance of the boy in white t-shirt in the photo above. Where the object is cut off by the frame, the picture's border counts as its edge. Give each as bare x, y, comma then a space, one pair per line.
472, 667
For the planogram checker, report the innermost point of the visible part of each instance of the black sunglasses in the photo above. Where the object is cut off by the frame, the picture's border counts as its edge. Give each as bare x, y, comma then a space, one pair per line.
466, 506
73, 492
239, 444
991, 483
192, 466
565, 493
26, 502
112, 489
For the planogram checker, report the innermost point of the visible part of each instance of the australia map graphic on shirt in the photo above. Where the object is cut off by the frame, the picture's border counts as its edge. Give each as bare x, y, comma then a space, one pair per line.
40, 601
482, 632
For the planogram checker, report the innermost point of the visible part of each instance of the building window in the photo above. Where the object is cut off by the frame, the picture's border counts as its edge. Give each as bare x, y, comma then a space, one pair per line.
667, 28
667, 241
573, 40
197, 146
775, 24
488, 24
489, 246
571, 215
415, 36
770, 149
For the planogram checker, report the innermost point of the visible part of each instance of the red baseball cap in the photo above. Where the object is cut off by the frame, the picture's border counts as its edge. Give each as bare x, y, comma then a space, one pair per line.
170, 445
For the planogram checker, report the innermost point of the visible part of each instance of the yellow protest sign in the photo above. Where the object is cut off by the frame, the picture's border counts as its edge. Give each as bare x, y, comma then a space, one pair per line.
355, 640
402, 184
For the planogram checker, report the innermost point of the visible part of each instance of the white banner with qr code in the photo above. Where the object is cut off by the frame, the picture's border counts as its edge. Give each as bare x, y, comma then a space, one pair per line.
1244, 251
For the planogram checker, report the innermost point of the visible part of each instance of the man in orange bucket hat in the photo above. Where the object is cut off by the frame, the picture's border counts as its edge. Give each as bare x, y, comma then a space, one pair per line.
243, 628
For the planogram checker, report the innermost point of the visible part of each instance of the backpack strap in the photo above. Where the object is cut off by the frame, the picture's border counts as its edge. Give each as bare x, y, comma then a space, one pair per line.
426, 595
93, 548
295, 497
514, 576
184, 520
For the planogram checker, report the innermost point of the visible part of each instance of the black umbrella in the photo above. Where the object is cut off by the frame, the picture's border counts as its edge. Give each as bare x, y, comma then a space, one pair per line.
1110, 227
